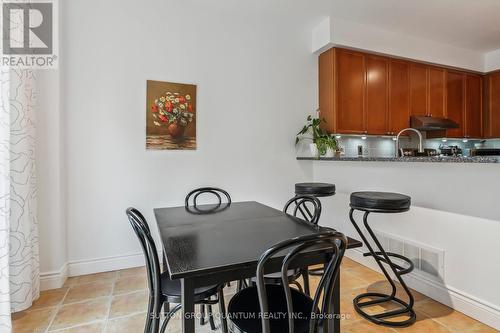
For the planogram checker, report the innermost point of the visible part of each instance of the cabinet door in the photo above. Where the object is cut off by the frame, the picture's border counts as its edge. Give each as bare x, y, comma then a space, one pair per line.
455, 102
493, 105
418, 90
437, 87
350, 115
473, 106
326, 89
376, 95
399, 96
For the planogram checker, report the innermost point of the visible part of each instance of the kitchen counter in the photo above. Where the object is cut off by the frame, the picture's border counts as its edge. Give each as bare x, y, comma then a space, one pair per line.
436, 159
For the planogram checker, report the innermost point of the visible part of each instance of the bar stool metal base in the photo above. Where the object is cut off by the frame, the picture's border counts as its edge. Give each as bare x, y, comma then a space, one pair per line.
378, 318
383, 259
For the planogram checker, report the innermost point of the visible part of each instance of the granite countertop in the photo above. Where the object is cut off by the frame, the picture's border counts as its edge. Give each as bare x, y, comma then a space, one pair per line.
435, 159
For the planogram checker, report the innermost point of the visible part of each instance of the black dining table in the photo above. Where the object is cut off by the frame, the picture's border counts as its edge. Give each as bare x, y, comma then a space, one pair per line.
216, 244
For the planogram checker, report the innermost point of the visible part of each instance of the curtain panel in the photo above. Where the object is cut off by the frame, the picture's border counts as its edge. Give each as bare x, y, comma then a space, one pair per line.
19, 261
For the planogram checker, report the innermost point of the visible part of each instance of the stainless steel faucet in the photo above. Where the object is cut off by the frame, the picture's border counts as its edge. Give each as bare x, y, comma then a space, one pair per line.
420, 140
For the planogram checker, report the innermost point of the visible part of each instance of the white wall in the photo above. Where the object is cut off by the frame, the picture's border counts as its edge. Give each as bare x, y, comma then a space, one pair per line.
256, 83
370, 38
454, 209
50, 181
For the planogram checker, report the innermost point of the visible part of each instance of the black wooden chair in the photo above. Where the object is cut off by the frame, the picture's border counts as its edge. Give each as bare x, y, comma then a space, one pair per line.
271, 308
191, 204
192, 197
162, 290
309, 209
308, 206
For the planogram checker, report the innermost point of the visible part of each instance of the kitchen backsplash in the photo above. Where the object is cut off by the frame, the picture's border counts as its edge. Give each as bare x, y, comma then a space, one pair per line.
386, 147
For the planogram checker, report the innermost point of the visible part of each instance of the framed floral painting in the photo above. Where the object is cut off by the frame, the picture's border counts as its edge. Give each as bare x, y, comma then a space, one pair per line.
170, 116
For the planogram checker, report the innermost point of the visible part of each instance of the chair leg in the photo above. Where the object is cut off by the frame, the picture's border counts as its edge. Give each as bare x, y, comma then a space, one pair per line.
242, 284
202, 314
222, 306
305, 277
169, 316
299, 287
166, 308
155, 314
211, 318
149, 318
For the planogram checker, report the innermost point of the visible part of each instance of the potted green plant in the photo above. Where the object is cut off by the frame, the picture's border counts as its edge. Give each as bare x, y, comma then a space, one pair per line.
326, 145
323, 144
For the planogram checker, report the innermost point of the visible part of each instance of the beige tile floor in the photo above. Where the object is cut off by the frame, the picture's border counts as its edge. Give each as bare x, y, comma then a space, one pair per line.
116, 302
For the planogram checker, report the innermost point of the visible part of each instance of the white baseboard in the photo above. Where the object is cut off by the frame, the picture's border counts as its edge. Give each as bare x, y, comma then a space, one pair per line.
469, 305
54, 279
91, 266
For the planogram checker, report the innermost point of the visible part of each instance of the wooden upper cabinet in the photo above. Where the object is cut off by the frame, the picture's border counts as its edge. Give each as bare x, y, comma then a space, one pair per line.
326, 73
366, 93
376, 103
492, 120
455, 102
399, 96
418, 90
350, 87
437, 88
473, 106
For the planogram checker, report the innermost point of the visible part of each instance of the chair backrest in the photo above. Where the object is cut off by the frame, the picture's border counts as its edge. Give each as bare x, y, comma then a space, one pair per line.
308, 206
217, 192
328, 241
143, 233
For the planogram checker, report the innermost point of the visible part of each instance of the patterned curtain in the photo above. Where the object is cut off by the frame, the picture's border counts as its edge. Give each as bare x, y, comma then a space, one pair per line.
19, 264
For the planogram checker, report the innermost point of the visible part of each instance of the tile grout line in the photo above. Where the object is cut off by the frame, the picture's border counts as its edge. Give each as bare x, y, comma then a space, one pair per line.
75, 326
85, 300
105, 328
61, 304
56, 310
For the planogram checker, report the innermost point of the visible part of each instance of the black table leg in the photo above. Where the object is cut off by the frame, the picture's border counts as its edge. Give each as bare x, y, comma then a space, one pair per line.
187, 301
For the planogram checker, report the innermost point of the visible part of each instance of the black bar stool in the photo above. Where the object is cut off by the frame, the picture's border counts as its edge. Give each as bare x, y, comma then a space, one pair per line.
317, 190
383, 202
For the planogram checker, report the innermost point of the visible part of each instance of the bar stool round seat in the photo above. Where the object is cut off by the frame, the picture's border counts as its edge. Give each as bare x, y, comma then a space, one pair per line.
315, 189
380, 202
383, 202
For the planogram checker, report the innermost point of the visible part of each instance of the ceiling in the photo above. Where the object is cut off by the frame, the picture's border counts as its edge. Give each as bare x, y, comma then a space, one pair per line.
470, 24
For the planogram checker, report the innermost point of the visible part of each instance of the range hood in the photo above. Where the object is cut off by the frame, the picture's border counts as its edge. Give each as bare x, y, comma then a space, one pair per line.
424, 123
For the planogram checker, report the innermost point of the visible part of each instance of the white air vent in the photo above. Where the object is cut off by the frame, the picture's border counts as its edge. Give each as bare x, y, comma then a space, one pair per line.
428, 260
